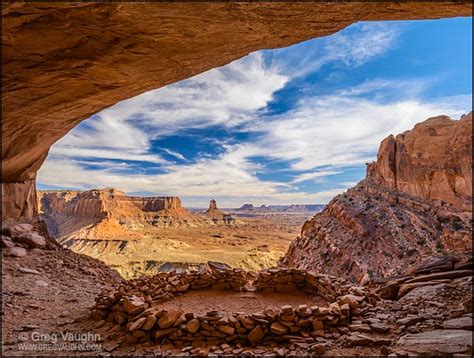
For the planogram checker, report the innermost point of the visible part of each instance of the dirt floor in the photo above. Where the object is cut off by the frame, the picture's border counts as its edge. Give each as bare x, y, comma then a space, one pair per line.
201, 302
47, 294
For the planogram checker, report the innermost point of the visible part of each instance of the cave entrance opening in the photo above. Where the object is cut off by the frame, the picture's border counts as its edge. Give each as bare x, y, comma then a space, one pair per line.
228, 165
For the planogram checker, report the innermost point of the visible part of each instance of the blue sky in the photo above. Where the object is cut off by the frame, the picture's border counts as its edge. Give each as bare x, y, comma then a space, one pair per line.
292, 125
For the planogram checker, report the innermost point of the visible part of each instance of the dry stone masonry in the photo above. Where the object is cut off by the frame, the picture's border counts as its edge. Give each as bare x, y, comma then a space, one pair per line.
134, 306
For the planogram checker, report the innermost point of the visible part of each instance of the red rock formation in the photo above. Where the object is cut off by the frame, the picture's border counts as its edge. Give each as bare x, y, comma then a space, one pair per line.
218, 217
432, 161
109, 211
57, 71
213, 212
414, 202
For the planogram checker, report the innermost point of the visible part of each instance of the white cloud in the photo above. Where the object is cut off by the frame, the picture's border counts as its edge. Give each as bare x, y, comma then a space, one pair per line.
353, 47
316, 175
340, 131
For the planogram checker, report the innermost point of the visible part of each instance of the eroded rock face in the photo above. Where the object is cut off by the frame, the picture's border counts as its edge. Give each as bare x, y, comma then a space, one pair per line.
100, 214
432, 161
414, 202
57, 72
213, 212
218, 217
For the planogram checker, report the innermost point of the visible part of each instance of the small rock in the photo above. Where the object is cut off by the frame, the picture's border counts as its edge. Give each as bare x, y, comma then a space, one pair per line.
193, 325
169, 318
317, 325
149, 323
379, 327
409, 320
29, 327
16, 252
318, 349
256, 334
134, 305
227, 330
164, 332
286, 309
28, 270
137, 324
359, 340
41, 283
364, 328
278, 329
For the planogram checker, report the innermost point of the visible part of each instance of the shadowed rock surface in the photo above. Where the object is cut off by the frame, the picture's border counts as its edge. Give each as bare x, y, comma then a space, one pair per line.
415, 201
57, 72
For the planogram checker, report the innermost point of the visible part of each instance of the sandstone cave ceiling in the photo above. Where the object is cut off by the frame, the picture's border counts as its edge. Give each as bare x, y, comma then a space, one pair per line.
63, 62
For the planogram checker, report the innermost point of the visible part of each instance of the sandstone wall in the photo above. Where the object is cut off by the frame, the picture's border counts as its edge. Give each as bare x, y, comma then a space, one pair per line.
105, 213
19, 200
416, 201
102, 203
431, 161
58, 72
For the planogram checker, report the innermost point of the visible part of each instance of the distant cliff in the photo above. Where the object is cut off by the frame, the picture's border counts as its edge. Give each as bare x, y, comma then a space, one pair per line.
103, 213
416, 200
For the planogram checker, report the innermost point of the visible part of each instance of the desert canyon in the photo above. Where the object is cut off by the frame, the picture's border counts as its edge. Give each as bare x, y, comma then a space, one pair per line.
384, 269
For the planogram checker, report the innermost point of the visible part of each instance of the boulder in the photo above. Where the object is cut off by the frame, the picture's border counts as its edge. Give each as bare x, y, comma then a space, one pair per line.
459, 323
437, 342
16, 252
359, 340
17, 229
351, 300
31, 239
7, 242
441, 275
443, 263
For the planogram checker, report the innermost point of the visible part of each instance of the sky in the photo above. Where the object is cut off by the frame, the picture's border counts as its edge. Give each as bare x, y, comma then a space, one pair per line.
291, 125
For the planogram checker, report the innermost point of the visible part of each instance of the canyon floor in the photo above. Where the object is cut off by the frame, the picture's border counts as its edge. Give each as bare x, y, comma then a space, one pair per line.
256, 244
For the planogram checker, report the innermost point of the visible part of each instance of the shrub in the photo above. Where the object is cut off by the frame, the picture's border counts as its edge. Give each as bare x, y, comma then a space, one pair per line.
439, 246
456, 222
421, 242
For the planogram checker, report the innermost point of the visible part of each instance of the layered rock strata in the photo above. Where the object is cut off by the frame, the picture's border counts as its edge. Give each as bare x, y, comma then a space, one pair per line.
218, 217
415, 201
101, 214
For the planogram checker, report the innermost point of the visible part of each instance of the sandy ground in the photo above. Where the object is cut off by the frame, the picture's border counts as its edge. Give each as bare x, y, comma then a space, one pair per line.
204, 301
